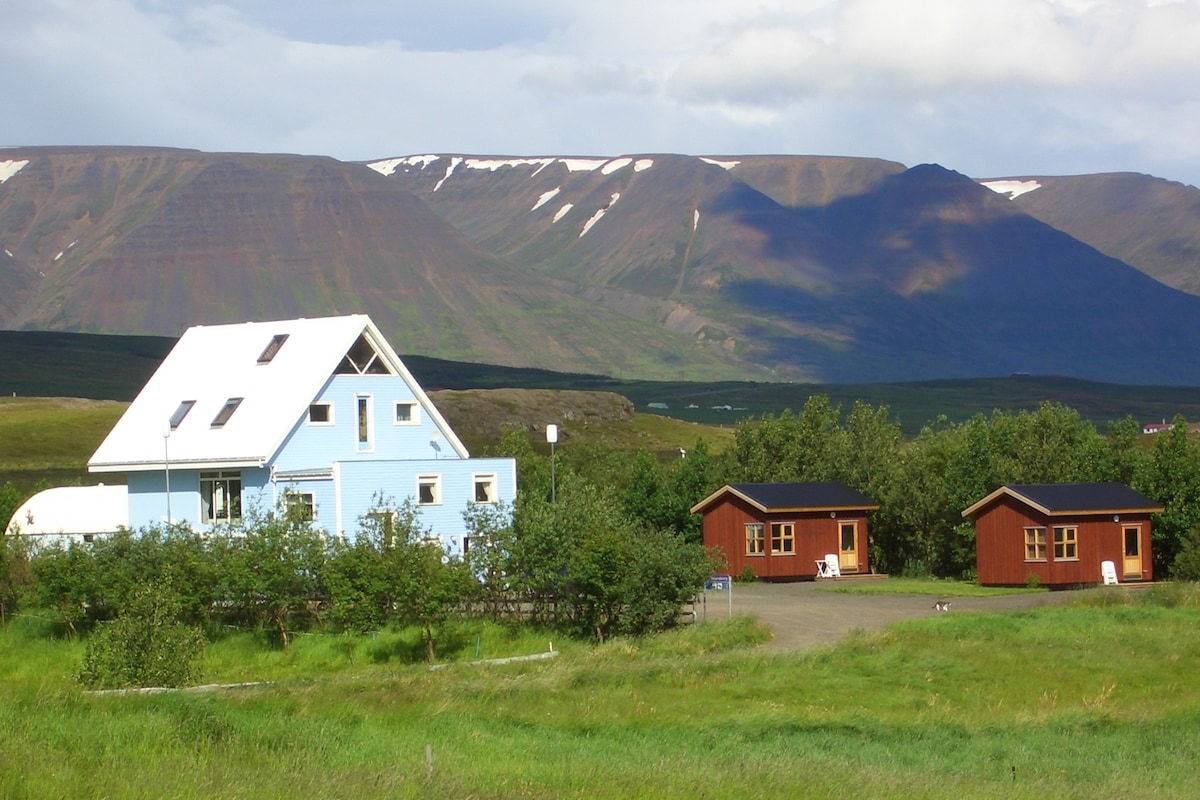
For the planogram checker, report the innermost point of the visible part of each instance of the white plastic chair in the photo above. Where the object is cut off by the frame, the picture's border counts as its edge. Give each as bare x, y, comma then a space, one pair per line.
1108, 570
832, 567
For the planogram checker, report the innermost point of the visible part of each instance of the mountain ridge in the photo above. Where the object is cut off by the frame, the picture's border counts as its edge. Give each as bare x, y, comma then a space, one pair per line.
810, 268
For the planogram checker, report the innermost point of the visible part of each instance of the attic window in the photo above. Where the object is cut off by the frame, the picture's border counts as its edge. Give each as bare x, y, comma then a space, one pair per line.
226, 412
181, 412
363, 359
276, 342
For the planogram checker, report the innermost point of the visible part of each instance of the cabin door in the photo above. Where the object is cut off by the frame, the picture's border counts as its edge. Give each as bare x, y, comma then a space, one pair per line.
848, 546
1133, 551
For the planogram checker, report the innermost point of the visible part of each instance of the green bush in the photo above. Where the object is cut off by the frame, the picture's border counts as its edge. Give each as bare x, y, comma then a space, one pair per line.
145, 646
1186, 566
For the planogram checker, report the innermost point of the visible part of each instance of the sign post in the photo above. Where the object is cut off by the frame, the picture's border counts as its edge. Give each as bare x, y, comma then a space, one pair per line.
720, 583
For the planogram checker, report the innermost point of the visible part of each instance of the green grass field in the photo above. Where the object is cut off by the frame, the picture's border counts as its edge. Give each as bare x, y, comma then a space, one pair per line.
1097, 699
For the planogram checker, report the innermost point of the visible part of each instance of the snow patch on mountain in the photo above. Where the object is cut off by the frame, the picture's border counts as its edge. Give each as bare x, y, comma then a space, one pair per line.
721, 164
454, 162
10, 168
587, 226
562, 212
1013, 189
546, 197
643, 164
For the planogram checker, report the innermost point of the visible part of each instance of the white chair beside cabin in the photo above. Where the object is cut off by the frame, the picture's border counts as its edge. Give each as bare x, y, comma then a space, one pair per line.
833, 568
1108, 571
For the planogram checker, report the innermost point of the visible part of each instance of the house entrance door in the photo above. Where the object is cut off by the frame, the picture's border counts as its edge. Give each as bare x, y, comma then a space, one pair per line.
1133, 551
848, 546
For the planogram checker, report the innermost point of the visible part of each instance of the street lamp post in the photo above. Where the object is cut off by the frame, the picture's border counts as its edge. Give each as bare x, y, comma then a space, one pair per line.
552, 438
166, 434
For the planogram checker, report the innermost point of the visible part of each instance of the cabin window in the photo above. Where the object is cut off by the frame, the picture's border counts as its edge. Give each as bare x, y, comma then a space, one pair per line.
299, 506
485, 488
783, 538
1035, 544
363, 426
407, 414
320, 414
220, 497
429, 490
272, 348
181, 412
1065, 543
223, 416
756, 544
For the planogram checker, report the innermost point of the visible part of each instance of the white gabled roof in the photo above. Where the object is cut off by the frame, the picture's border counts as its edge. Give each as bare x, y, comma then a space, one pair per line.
72, 511
214, 364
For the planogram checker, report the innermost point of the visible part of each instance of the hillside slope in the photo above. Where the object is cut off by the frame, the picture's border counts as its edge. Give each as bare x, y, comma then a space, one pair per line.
152, 241
1147, 222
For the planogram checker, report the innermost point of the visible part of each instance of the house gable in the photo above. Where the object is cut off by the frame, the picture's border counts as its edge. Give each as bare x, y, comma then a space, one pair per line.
230, 395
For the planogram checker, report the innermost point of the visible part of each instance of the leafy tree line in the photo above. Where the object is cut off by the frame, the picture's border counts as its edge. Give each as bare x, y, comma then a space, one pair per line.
578, 565
618, 551
922, 485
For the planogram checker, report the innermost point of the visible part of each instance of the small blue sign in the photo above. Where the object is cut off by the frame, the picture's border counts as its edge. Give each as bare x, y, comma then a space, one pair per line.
717, 583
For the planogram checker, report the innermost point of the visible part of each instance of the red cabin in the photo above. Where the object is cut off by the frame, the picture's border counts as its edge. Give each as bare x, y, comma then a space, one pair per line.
780, 531
1062, 533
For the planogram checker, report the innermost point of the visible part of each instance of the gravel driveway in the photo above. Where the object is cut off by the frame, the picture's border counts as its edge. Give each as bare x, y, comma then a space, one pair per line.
807, 613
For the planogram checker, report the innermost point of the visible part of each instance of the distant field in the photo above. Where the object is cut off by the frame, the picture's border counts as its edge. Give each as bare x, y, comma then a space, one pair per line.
115, 368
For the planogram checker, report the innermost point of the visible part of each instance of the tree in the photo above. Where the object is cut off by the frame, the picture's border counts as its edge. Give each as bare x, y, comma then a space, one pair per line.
271, 570
489, 556
147, 645
1171, 476
14, 573
64, 581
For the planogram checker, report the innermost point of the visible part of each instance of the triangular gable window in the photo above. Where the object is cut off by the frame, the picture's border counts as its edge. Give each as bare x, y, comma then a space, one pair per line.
269, 353
226, 412
363, 359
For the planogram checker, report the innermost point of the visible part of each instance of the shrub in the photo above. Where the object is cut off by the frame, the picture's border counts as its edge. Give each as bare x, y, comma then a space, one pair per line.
1186, 566
145, 646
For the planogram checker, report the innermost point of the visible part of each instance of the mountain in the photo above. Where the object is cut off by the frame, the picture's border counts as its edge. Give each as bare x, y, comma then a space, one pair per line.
1147, 222
656, 266
132, 240
835, 269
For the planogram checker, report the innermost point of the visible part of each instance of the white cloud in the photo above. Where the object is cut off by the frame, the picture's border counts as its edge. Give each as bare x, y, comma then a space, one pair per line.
989, 87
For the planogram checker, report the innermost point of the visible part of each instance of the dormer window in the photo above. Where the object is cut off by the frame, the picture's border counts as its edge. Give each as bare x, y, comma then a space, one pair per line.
226, 412
181, 412
269, 353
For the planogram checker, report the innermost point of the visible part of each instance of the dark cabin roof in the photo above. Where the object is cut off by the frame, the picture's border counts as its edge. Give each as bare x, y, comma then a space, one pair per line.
1073, 498
832, 496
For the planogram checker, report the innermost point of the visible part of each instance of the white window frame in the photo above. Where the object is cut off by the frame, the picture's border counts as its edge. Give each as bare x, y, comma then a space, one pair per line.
493, 488
367, 445
328, 422
225, 478
293, 497
435, 484
414, 412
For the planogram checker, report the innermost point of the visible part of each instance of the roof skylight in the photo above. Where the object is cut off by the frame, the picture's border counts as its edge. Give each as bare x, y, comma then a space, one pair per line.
181, 412
226, 412
269, 353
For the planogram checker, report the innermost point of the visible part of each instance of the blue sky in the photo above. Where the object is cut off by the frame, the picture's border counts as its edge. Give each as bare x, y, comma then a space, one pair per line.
990, 88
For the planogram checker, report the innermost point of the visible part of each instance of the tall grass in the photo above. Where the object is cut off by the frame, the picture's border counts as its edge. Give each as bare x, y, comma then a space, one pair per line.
1088, 700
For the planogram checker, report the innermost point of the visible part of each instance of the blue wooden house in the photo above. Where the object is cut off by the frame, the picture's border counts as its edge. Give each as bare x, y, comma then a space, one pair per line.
316, 413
